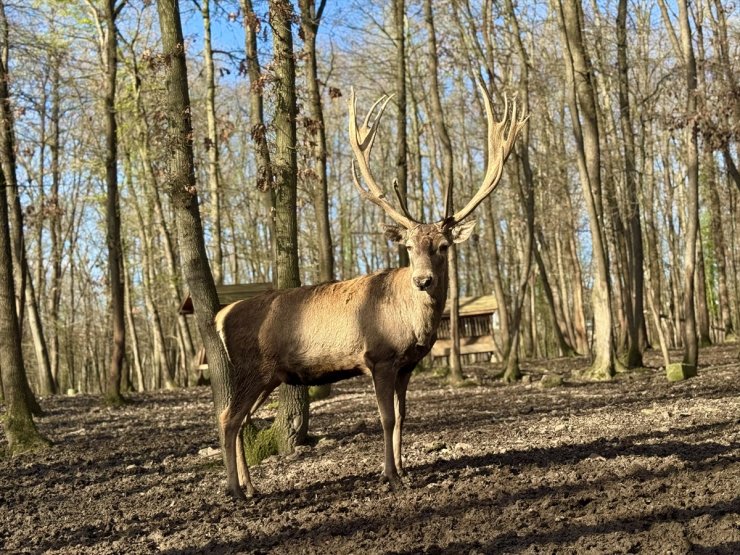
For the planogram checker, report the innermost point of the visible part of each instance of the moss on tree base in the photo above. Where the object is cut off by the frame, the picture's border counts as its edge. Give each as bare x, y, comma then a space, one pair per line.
23, 437
114, 400
259, 443
679, 371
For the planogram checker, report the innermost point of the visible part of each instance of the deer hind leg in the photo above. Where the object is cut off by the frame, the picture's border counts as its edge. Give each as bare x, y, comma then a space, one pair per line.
402, 383
230, 423
241, 463
384, 379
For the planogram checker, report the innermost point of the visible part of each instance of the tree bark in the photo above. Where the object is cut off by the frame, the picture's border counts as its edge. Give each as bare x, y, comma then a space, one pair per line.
310, 19
113, 215
291, 421
440, 128
20, 430
212, 147
690, 337
582, 101
635, 275
399, 29
180, 184
525, 183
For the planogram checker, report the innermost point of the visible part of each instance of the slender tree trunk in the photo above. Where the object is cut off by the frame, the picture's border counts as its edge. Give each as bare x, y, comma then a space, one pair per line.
291, 421
399, 28
636, 265
720, 247
310, 19
55, 224
113, 216
20, 430
212, 148
582, 101
526, 197
691, 340
440, 127
14, 214
700, 284
165, 234
138, 370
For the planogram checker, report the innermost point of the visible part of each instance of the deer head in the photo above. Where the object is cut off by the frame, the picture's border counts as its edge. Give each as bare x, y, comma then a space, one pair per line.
427, 243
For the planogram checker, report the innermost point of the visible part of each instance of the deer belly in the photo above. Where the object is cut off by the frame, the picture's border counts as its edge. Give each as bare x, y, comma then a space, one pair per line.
309, 377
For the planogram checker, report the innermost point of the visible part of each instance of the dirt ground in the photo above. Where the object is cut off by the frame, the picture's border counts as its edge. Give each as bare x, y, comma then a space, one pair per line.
638, 465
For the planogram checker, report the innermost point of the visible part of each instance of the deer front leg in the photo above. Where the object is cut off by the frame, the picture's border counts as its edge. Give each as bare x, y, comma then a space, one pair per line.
384, 379
402, 383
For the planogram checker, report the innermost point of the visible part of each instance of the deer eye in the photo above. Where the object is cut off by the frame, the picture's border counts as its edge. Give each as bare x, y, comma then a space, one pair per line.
409, 248
443, 247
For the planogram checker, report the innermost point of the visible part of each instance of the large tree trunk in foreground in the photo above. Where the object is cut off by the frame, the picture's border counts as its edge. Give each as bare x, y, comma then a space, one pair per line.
180, 183
20, 431
291, 422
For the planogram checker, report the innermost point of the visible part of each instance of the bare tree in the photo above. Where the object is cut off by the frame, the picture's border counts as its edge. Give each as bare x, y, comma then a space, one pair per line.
440, 127
635, 309
582, 104
212, 146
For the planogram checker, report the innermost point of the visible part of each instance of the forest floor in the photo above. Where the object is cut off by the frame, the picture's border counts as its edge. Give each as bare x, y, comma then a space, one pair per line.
634, 465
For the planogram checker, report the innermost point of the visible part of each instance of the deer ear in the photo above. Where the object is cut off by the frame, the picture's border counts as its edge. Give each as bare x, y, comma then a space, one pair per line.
394, 233
462, 232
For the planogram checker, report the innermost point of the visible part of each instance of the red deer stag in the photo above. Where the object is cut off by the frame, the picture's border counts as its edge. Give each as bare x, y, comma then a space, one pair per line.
380, 324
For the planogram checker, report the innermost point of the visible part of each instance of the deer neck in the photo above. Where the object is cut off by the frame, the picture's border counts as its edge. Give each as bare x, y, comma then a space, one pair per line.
424, 307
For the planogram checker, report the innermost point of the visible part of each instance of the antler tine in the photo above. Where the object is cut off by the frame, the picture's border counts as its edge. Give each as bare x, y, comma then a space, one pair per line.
361, 140
402, 202
500, 143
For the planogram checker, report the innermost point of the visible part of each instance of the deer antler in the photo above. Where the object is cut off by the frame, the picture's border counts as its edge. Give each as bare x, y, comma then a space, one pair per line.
361, 140
500, 142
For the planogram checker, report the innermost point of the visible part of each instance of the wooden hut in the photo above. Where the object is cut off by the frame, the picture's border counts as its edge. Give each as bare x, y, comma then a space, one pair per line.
478, 323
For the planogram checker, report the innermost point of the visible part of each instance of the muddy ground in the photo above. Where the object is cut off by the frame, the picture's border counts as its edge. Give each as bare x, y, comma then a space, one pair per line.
638, 465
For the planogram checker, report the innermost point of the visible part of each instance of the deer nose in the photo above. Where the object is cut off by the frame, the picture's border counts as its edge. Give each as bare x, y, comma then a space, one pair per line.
423, 282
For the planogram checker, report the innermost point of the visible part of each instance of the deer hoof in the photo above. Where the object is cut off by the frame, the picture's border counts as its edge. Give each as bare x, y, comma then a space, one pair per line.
236, 493
394, 482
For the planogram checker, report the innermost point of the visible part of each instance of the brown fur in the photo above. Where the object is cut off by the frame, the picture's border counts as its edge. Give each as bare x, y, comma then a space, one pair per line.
380, 325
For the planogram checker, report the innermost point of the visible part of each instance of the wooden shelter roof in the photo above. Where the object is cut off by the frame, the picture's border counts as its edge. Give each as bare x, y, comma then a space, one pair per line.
228, 294
474, 306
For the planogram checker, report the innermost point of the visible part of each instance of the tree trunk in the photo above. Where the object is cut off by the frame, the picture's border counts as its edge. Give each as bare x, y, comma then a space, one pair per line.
525, 184
440, 128
636, 274
291, 421
55, 224
691, 340
113, 216
20, 430
399, 28
310, 19
581, 99
180, 183
212, 148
